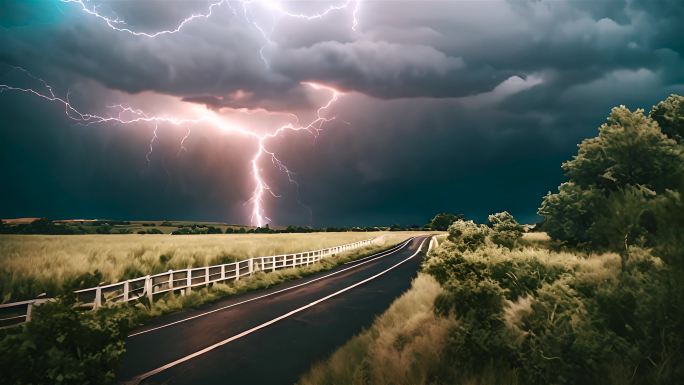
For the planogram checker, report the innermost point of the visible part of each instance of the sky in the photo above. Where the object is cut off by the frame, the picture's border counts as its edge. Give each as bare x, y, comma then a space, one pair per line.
435, 106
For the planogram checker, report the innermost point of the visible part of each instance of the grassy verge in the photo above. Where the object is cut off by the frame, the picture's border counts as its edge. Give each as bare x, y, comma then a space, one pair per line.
400, 348
34, 264
528, 315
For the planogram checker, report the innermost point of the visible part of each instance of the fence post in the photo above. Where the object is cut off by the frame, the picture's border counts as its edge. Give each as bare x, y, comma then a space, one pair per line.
148, 288
188, 277
171, 280
125, 291
98, 298
29, 311
206, 276
223, 272
251, 266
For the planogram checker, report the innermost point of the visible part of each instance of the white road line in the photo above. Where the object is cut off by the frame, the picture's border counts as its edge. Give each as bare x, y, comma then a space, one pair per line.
376, 255
386, 251
136, 380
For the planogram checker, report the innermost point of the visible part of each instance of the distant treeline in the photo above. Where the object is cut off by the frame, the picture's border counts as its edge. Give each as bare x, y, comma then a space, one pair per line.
40, 226
49, 227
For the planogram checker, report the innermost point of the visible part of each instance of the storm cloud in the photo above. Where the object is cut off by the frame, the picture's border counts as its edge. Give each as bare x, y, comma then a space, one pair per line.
460, 106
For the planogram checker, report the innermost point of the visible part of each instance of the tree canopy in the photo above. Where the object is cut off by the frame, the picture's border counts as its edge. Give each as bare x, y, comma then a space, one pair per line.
442, 221
620, 181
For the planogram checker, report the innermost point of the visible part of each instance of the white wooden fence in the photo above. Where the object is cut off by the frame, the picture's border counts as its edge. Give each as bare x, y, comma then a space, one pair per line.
176, 280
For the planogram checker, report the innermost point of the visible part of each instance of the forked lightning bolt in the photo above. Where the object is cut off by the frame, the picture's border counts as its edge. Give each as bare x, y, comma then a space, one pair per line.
276, 7
128, 115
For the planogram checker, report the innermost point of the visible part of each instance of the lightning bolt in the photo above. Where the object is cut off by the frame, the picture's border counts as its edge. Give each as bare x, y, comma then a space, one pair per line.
120, 25
182, 147
127, 115
276, 8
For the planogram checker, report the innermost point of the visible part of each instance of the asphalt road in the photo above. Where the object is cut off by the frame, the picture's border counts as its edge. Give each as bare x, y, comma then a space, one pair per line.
270, 336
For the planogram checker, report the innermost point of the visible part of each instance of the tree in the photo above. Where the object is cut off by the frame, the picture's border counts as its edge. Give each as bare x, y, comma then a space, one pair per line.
616, 177
396, 227
630, 149
214, 230
104, 229
506, 231
570, 212
669, 114
442, 221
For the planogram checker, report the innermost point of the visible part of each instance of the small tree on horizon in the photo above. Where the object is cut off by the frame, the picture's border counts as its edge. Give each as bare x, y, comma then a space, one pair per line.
442, 221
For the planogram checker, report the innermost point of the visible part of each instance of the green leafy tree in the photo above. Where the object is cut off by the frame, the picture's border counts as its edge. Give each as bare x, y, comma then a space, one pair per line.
615, 178
506, 231
570, 212
669, 114
442, 221
630, 149
668, 210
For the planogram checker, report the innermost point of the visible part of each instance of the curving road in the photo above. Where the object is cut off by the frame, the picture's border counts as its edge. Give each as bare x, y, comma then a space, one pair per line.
270, 336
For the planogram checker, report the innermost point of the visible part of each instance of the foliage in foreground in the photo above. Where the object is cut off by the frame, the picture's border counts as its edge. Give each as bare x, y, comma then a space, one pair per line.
63, 345
544, 318
524, 316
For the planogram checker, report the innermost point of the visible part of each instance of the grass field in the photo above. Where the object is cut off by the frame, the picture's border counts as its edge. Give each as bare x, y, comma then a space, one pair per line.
33, 264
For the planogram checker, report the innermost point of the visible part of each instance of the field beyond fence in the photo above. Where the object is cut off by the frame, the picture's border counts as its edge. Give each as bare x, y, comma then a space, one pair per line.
33, 264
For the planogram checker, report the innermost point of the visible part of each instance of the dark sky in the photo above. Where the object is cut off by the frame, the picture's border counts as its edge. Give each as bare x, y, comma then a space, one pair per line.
461, 106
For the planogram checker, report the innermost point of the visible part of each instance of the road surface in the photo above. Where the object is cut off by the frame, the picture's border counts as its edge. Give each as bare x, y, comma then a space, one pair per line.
270, 336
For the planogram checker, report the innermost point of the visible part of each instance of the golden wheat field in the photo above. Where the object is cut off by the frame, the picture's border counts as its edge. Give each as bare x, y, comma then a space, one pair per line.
36, 263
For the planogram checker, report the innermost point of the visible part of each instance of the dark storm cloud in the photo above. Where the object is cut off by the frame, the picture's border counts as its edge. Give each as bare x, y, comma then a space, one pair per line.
472, 107
408, 49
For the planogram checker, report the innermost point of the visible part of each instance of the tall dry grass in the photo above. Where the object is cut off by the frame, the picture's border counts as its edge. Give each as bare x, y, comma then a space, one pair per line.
31, 264
401, 347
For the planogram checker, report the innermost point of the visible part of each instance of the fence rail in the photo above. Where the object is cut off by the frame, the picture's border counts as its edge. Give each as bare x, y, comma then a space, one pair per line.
176, 280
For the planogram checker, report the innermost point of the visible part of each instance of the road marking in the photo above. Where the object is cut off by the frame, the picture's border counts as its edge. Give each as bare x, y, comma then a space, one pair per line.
376, 255
137, 379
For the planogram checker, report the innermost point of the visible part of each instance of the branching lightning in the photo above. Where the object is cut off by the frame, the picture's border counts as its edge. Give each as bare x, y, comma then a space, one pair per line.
274, 6
120, 25
127, 115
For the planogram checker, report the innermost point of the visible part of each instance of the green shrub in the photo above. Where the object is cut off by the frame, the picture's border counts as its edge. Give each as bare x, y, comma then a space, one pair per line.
467, 235
506, 231
543, 320
453, 266
63, 345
